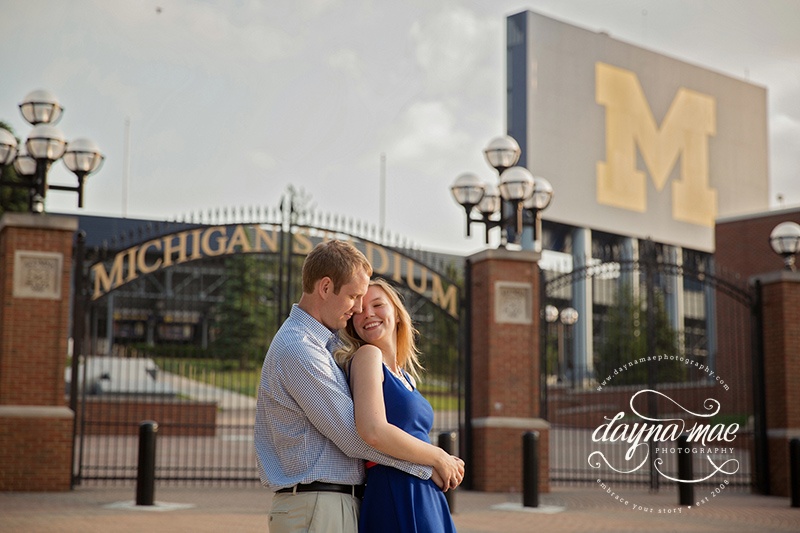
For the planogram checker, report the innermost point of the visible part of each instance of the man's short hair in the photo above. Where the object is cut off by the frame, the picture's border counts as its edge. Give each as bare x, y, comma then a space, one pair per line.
338, 260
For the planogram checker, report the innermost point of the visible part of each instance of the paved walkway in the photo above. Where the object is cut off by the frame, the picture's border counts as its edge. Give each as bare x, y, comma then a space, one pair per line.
236, 509
197, 390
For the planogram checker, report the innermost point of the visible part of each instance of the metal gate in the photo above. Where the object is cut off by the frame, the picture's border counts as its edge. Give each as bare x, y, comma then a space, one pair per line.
653, 346
176, 319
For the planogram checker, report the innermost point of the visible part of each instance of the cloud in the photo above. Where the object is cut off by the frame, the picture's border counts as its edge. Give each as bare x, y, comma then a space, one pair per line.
454, 47
262, 160
315, 8
426, 131
347, 61
208, 36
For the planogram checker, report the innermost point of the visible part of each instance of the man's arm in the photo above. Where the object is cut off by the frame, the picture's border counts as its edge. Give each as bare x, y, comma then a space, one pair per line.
316, 385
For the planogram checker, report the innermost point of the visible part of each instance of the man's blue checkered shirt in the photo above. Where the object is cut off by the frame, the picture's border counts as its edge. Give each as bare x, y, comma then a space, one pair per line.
305, 427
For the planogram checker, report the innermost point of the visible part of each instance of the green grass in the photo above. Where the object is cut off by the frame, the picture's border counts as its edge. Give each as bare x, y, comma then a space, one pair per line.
438, 394
728, 419
223, 374
227, 375
441, 402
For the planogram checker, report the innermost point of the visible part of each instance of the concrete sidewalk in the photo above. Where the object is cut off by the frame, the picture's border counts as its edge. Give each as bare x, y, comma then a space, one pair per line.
589, 509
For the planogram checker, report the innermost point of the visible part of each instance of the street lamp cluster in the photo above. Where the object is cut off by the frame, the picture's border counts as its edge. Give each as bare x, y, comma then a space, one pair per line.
45, 145
526, 195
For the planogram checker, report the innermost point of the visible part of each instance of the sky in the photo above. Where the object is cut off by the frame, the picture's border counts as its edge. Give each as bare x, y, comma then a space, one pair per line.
201, 105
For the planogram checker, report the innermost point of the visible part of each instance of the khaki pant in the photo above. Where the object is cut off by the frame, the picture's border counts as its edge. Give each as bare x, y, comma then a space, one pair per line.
314, 512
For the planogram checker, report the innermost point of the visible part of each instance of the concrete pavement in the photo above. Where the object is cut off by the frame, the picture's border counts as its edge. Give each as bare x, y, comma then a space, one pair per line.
585, 509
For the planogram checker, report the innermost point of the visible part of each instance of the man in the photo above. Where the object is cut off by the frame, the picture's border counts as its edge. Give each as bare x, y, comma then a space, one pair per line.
307, 446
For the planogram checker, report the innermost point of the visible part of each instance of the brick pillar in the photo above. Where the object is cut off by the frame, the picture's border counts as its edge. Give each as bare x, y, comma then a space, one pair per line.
505, 368
36, 425
780, 306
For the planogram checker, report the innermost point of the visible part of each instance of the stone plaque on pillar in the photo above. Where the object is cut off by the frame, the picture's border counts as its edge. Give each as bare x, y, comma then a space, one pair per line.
37, 274
513, 303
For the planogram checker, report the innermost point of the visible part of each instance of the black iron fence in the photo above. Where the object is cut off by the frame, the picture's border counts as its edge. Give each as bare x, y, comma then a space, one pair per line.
647, 351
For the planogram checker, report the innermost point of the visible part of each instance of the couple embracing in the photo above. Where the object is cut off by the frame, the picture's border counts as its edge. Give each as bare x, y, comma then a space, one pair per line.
338, 405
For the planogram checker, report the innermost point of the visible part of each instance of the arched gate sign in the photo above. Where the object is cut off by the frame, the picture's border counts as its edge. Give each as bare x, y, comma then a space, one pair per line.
215, 241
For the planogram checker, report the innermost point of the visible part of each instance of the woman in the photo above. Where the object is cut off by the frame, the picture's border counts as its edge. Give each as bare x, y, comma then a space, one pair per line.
391, 415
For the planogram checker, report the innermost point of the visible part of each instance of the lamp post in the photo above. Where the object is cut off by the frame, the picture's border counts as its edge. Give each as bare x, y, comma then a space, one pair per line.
567, 317
525, 195
45, 145
785, 241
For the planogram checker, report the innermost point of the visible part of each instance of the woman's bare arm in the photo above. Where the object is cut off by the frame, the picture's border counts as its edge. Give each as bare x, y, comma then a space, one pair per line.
366, 378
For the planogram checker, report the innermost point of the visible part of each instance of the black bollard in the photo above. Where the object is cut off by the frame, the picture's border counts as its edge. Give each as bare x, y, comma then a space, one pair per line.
447, 442
685, 471
794, 471
146, 478
530, 469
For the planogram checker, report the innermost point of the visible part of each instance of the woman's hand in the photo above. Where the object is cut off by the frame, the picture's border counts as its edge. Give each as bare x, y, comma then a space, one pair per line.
449, 470
436, 478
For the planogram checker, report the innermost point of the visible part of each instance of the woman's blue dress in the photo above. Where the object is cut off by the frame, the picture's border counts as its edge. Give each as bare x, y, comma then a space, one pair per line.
394, 500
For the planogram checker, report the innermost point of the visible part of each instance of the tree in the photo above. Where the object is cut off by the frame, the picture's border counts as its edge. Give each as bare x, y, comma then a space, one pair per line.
439, 336
623, 340
12, 199
242, 316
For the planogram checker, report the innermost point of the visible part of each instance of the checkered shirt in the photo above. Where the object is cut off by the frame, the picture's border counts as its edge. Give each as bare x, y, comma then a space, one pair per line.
305, 426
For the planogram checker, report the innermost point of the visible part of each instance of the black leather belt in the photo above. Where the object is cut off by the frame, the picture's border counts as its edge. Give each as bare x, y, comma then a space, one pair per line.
319, 486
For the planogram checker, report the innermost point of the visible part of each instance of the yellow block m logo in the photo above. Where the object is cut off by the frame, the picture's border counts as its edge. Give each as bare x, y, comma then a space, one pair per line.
691, 119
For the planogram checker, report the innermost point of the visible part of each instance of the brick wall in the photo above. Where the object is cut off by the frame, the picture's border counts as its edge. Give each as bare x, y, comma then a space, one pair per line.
35, 426
781, 306
781, 336
743, 250
497, 458
175, 417
35, 448
504, 375
505, 357
33, 332
742, 246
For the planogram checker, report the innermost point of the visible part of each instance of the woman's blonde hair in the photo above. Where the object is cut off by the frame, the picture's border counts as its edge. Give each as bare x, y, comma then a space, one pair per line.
407, 352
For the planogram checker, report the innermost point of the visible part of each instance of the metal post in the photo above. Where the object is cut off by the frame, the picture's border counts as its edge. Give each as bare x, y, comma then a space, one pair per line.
465, 332
146, 479
78, 318
530, 469
280, 316
685, 489
651, 264
561, 371
78, 335
760, 446
794, 470
447, 442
